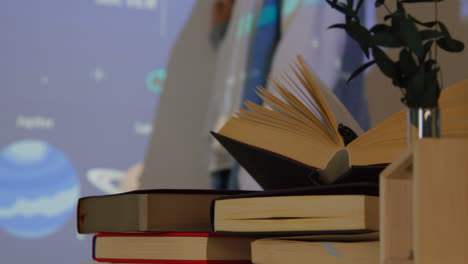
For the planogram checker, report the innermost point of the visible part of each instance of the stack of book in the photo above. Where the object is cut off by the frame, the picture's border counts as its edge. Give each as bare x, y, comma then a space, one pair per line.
321, 201
206, 226
158, 226
328, 224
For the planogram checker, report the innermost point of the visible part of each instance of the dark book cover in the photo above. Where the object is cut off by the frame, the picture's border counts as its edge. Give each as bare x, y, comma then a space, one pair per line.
274, 171
122, 210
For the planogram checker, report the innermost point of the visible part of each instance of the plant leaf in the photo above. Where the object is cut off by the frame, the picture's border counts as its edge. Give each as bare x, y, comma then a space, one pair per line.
451, 45
343, 8
337, 26
407, 64
386, 39
385, 64
396, 23
448, 43
400, 9
359, 70
360, 34
427, 47
431, 89
429, 65
425, 24
415, 89
386, 17
444, 30
381, 28
410, 36
420, 1
430, 34
379, 3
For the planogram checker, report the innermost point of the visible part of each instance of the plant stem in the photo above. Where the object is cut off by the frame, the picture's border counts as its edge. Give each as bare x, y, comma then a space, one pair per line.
436, 11
388, 10
436, 14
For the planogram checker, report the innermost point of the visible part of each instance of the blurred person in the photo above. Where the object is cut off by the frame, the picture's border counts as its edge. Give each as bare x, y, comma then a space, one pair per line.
220, 17
177, 157
232, 57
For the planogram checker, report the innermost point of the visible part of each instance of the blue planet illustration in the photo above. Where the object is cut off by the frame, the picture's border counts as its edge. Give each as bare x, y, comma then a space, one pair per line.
39, 189
155, 80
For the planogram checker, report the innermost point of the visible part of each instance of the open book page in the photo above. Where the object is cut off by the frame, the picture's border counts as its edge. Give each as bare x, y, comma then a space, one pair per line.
282, 140
337, 109
294, 108
297, 95
290, 103
305, 77
341, 114
288, 108
387, 140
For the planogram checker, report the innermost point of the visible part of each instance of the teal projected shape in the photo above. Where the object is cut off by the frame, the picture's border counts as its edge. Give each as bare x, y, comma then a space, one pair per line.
38, 189
155, 80
245, 25
291, 5
267, 16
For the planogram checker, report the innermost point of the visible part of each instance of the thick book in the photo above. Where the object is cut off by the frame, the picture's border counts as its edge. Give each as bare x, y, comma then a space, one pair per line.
302, 250
317, 210
305, 134
164, 210
171, 248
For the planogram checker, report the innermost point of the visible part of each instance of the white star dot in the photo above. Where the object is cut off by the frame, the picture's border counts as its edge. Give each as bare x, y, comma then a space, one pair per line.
44, 81
315, 43
98, 75
338, 63
230, 81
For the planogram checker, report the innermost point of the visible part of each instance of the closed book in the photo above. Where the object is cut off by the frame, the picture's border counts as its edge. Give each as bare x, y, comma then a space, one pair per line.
164, 210
324, 251
328, 209
171, 248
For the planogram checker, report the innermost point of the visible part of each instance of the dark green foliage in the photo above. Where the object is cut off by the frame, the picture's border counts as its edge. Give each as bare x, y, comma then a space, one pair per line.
420, 1
360, 69
386, 65
415, 71
379, 3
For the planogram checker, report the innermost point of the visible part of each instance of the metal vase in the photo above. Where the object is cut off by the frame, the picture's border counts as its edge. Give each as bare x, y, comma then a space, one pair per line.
423, 123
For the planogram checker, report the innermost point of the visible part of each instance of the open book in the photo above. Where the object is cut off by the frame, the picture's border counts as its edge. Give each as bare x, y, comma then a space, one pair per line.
296, 134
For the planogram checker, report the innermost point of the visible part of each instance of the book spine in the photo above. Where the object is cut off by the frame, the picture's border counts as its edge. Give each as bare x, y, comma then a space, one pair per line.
174, 261
173, 234
143, 212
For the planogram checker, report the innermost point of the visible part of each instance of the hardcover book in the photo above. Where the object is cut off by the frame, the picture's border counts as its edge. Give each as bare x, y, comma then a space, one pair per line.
303, 250
305, 136
148, 210
171, 248
317, 210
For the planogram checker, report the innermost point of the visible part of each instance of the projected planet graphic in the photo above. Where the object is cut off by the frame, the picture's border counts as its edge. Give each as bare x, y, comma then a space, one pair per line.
155, 80
38, 189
